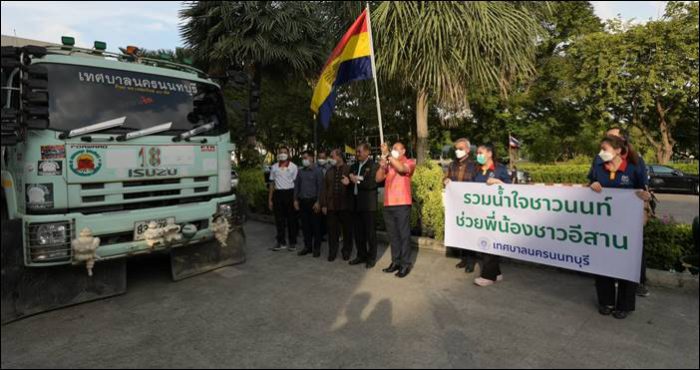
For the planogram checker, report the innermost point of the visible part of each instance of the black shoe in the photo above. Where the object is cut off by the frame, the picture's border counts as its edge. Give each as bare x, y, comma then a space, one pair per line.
620, 314
605, 310
346, 258
392, 268
317, 255
462, 264
642, 291
403, 272
304, 252
331, 259
370, 264
357, 261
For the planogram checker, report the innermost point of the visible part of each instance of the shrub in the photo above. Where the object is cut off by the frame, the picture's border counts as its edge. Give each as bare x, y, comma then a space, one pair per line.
688, 168
666, 242
428, 211
252, 188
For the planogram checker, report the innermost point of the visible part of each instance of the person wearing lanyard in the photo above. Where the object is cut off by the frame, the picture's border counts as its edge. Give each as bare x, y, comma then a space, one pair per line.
307, 191
364, 190
281, 200
396, 171
642, 290
462, 169
491, 172
336, 203
616, 171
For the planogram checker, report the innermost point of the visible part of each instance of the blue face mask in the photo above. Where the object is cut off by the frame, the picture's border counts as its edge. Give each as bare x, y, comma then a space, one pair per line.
481, 158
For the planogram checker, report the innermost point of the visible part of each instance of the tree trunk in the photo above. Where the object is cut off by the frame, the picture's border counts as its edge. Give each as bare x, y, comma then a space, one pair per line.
667, 143
422, 126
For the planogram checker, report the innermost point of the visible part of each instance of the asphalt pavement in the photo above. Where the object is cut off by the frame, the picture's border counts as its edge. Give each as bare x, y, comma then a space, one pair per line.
279, 310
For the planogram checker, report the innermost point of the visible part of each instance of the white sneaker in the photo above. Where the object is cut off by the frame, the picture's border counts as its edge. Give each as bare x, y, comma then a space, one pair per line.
292, 248
279, 247
499, 277
483, 282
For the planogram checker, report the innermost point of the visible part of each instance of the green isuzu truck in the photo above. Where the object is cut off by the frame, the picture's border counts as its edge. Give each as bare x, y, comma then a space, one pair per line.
106, 156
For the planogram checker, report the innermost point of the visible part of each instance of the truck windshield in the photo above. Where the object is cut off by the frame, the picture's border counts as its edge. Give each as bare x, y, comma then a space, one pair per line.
80, 96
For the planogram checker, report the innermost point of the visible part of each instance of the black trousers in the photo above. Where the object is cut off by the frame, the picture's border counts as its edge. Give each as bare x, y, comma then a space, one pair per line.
365, 235
339, 221
310, 225
491, 266
466, 255
398, 226
626, 293
285, 216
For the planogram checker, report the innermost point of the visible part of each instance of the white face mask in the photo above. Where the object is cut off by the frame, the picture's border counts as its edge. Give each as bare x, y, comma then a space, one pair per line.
306, 162
322, 162
606, 156
332, 162
282, 157
395, 153
460, 153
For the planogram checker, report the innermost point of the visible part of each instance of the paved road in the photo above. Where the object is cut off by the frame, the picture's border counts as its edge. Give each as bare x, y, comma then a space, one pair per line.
683, 208
280, 310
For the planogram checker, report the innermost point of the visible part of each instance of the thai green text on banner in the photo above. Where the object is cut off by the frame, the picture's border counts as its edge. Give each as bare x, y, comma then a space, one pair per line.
572, 228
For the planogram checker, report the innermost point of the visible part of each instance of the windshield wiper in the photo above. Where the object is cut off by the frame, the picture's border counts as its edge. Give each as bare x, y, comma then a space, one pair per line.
195, 131
94, 127
145, 132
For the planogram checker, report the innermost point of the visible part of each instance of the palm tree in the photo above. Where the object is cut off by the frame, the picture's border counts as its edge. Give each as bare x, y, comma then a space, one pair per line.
256, 36
443, 51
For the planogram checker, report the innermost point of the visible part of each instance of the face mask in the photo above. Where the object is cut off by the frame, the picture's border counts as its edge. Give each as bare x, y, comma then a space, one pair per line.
306, 163
606, 156
395, 153
332, 162
460, 153
481, 158
322, 162
282, 157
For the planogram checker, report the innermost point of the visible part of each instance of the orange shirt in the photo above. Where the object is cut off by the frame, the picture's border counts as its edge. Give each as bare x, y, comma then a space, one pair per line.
397, 187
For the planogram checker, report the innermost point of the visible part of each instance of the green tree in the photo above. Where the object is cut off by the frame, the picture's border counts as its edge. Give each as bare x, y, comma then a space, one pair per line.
275, 37
444, 50
644, 76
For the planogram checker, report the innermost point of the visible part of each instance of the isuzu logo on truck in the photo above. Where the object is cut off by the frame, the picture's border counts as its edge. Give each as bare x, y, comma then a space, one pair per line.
152, 172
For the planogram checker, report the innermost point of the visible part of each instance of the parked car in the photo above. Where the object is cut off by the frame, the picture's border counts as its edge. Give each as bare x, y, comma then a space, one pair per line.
667, 179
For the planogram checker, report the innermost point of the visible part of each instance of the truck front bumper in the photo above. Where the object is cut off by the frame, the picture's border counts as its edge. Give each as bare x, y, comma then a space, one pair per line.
115, 230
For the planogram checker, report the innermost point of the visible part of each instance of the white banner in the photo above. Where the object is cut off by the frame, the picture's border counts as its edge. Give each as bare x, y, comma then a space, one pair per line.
571, 228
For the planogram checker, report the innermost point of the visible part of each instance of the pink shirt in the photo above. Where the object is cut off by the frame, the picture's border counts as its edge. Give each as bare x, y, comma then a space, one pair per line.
397, 187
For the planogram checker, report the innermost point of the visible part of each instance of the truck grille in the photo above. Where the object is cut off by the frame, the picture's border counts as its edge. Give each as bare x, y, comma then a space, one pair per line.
140, 193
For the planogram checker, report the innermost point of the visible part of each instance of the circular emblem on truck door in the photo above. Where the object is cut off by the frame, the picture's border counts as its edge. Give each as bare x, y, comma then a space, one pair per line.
85, 162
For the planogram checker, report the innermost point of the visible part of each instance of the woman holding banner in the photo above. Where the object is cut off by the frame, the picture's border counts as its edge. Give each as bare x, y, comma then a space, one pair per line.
618, 168
491, 172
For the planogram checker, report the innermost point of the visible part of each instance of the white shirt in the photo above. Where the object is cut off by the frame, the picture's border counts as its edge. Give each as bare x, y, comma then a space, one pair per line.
283, 177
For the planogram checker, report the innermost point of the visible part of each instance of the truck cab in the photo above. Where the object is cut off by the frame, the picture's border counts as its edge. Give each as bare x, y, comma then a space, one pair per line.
106, 156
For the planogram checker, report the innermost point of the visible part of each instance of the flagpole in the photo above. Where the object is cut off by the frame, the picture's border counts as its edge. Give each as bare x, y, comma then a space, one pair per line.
374, 75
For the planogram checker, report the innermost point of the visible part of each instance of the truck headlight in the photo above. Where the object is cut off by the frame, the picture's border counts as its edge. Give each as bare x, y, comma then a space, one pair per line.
50, 234
49, 242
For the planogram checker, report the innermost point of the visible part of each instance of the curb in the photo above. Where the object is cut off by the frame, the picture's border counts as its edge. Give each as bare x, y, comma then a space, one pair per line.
655, 278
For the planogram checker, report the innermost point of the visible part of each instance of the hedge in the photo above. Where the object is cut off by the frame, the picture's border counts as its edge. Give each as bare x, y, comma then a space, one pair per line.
252, 188
568, 173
